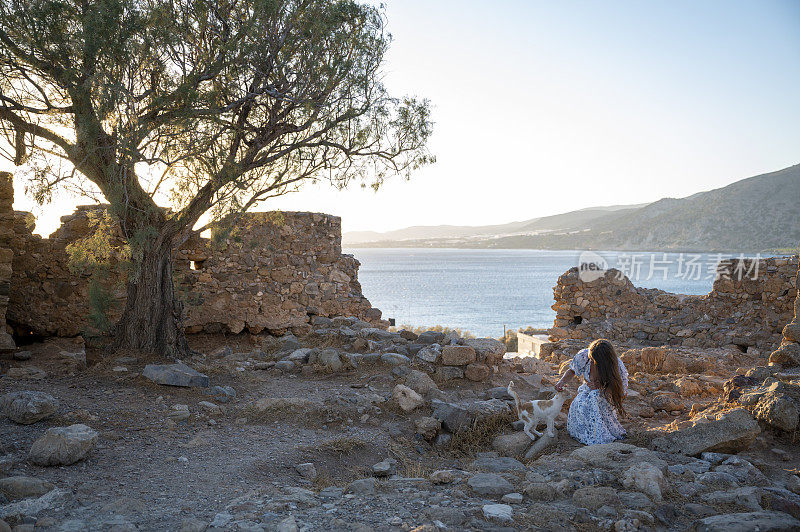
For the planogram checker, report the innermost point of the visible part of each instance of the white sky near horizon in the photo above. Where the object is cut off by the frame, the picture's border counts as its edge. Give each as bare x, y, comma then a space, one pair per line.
546, 107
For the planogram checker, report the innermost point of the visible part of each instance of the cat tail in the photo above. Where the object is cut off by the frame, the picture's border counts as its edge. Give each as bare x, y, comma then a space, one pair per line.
517, 402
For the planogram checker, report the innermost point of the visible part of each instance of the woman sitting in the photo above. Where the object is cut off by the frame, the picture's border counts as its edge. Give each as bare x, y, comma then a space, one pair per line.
593, 413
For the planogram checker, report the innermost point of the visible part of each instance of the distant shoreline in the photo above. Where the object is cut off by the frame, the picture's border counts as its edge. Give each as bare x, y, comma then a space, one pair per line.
417, 245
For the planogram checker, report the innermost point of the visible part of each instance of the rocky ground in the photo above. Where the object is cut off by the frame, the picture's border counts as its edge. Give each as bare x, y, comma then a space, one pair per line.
354, 428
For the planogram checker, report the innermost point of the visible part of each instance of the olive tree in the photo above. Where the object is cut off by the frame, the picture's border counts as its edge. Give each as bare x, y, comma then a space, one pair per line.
208, 107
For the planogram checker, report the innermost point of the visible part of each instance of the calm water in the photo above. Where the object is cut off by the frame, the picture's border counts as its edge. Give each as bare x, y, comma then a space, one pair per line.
483, 290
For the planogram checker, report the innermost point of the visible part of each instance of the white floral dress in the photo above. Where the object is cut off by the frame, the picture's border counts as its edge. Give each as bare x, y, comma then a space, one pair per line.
592, 419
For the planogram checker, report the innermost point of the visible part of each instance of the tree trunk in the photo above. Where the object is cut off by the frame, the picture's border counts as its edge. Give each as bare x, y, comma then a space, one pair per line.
152, 321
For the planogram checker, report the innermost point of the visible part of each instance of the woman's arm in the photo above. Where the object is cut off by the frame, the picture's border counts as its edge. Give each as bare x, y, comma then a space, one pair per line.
564, 379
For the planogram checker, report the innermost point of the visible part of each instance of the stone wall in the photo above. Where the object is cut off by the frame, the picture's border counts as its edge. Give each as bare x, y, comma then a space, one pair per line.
273, 273
6, 254
788, 354
749, 313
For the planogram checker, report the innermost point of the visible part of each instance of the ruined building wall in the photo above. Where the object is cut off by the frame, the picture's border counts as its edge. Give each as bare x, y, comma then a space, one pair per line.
749, 312
788, 353
273, 273
6, 254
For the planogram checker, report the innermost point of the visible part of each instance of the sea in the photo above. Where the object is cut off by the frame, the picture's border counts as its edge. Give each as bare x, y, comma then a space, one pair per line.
487, 291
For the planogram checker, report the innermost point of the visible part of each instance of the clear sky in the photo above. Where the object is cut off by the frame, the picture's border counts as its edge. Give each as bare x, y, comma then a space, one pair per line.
543, 107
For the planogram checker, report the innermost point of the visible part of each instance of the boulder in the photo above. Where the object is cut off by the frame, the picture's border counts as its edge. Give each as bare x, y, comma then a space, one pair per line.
730, 432
16, 488
645, 477
542, 442
430, 354
490, 484
407, 398
28, 407
394, 359
788, 354
428, 427
456, 417
747, 522
420, 382
442, 476
430, 337
178, 374
668, 402
778, 410
457, 355
307, 470
477, 372
329, 359
63, 445
487, 350
513, 444
791, 332
498, 513
385, 468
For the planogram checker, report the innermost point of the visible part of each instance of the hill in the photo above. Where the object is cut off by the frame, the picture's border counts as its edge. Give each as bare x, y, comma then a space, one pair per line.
760, 213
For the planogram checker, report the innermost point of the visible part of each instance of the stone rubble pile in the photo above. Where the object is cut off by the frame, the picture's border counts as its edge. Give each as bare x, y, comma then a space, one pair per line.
747, 313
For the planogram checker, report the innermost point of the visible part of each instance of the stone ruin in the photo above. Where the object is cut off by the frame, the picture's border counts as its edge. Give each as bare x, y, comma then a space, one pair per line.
274, 273
747, 313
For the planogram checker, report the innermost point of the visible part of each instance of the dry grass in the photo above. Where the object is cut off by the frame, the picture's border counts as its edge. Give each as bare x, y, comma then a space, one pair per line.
338, 446
478, 437
323, 480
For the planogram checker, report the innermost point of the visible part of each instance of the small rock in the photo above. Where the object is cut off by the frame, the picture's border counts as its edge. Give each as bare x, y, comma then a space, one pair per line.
63, 445
512, 498
490, 484
210, 407
407, 398
307, 470
498, 513
178, 374
286, 366
385, 468
362, 486
442, 476
22, 355
428, 427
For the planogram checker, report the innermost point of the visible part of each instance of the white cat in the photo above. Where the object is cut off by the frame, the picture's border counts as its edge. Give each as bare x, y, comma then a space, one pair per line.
531, 413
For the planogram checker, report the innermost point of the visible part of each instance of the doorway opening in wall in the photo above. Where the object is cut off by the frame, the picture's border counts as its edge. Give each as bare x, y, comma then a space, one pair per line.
22, 335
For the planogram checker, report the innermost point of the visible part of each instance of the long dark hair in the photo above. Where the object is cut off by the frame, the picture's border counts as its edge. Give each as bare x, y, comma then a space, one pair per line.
605, 359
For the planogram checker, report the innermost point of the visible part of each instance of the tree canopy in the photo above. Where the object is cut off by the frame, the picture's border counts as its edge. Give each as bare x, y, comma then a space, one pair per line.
204, 106
212, 105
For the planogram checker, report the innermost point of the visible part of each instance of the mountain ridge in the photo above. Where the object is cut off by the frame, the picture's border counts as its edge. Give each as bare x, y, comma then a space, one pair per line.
758, 213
